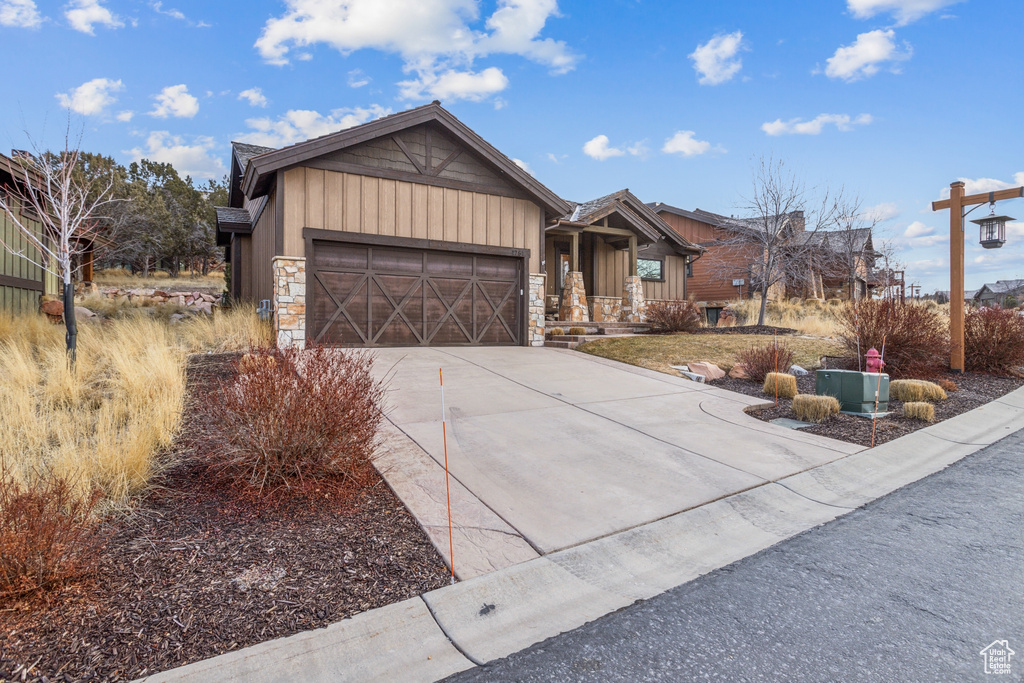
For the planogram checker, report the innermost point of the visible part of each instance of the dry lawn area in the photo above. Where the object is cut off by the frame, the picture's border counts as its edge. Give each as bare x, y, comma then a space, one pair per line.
658, 352
118, 277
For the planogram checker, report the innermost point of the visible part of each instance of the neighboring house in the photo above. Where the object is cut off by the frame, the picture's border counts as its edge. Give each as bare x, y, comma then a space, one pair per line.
826, 264
1000, 293
22, 283
608, 240
413, 230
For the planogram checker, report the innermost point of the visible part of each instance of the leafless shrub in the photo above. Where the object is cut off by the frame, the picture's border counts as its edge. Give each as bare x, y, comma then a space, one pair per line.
993, 339
674, 316
916, 339
761, 360
292, 418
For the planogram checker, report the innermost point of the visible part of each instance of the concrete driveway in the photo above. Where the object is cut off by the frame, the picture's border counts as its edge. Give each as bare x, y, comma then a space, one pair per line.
566, 448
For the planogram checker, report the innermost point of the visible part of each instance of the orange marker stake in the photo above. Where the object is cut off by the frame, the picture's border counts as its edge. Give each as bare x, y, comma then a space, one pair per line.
447, 486
878, 389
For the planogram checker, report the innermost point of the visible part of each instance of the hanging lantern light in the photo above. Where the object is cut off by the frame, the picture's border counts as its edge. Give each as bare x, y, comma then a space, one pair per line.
992, 229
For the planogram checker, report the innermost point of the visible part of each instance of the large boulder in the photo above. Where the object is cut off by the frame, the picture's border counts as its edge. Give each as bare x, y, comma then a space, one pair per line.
739, 372
708, 370
83, 313
53, 307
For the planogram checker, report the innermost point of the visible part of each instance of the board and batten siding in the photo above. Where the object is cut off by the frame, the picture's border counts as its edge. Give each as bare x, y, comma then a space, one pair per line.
264, 243
346, 202
611, 266
13, 298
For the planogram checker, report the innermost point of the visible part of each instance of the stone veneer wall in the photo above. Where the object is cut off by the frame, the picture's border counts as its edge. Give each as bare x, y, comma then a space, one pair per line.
290, 301
605, 309
537, 283
634, 308
574, 300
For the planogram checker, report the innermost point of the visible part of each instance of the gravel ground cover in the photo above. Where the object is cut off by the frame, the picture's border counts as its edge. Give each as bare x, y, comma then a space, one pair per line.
198, 570
975, 389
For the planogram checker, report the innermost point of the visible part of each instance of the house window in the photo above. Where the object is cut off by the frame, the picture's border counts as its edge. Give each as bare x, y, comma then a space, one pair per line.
651, 269
689, 267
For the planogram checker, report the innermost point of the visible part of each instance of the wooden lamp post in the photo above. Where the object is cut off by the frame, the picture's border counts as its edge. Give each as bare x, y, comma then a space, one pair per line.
990, 239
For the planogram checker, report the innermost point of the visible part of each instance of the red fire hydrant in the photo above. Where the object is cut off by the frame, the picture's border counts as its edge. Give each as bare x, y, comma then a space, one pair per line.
874, 360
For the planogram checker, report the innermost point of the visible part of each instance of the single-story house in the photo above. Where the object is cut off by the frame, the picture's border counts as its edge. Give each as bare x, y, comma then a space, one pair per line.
22, 283
413, 230
1000, 293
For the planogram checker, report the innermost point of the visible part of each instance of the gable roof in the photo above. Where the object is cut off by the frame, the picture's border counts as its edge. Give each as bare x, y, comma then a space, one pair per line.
261, 168
838, 241
638, 214
1001, 287
241, 153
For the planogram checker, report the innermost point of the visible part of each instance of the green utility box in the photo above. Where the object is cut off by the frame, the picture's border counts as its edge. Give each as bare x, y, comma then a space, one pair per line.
854, 390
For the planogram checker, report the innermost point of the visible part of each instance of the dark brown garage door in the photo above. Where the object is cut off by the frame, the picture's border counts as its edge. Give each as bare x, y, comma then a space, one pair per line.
368, 295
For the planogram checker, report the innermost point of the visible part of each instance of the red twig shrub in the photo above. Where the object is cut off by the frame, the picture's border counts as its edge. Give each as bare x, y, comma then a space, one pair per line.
993, 339
758, 361
48, 535
674, 316
294, 418
916, 338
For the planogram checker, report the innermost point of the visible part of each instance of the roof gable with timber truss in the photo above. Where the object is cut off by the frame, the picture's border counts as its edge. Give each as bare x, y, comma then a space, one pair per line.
623, 210
424, 145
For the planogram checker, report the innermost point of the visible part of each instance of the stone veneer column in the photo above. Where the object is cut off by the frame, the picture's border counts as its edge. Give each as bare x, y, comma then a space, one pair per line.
290, 301
537, 306
574, 300
634, 308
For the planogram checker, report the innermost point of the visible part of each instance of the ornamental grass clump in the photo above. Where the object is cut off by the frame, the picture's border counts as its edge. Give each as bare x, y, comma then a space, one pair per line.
919, 410
993, 340
915, 337
780, 384
577, 331
674, 316
763, 359
556, 331
294, 418
915, 390
817, 409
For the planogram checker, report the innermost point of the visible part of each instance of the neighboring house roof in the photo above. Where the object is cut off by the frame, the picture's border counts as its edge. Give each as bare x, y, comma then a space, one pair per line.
260, 169
999, 288
639, 215
857, 239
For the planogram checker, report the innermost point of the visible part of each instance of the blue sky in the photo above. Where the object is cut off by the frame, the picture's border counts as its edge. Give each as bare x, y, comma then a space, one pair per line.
889, 99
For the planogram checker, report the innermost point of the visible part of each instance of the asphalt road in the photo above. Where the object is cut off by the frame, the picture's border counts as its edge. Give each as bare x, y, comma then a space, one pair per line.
910, 587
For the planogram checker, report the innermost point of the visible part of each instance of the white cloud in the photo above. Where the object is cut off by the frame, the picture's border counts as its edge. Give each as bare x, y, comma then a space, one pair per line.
864, 57
716, 61
125, 116
798, 126
19, 14
979, 185
599, 148
172, 13
174, 100
454, 85
881, 212
194, 159
434, 37
904, 11
357, 79
523, 165
918, 229
556, 158
254, 96
83, 15
92, 97
299, 125
685, 144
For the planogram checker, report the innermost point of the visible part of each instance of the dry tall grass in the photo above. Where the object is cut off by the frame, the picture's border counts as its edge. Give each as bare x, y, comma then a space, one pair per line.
811, 317
119, 277
916, 410
817, 409
779, 384
106, 424
916, 390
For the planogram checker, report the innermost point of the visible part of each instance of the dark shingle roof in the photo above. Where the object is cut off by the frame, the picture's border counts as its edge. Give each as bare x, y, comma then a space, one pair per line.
229, 214
244, 151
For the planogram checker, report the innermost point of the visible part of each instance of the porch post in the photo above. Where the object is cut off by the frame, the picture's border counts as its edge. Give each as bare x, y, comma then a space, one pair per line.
632, 256
574, 253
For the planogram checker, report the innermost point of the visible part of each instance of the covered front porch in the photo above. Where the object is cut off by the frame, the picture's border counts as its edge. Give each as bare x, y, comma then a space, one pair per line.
604, 260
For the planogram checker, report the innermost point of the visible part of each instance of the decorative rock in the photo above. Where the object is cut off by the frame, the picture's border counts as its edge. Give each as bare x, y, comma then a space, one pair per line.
798, 371
204, 307
634, 308
53, 307
83, 313
739, 372
709, 371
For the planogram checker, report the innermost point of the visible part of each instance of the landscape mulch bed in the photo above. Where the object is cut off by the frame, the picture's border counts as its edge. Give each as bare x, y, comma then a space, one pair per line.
198, 570
975, 389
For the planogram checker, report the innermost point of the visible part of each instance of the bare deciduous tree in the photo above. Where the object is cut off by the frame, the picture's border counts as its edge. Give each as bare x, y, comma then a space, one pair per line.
67, 206
850, 250
777, 230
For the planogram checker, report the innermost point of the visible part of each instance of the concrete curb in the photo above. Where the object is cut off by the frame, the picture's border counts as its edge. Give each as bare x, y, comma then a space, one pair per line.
496, 614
